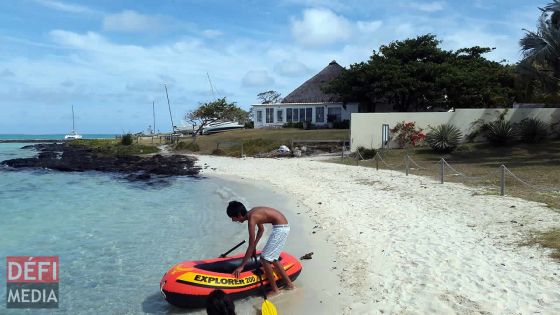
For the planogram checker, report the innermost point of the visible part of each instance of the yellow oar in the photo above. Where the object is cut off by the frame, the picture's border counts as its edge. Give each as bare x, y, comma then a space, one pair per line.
267, 308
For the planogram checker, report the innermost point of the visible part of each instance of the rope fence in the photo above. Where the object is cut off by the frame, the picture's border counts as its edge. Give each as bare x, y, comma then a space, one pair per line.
443, 168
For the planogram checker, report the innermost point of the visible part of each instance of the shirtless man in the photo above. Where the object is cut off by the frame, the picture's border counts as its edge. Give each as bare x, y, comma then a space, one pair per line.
280, 229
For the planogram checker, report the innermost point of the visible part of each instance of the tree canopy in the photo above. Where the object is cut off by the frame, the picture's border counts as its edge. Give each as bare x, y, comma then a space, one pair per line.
269, 97
539, 70
218, 110
416, 74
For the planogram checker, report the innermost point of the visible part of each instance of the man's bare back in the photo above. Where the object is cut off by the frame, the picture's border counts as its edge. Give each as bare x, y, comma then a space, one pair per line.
266, 215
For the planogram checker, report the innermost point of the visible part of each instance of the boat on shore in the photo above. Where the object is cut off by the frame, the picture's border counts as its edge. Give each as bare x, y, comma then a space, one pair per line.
73, 135
211, 128
188, 284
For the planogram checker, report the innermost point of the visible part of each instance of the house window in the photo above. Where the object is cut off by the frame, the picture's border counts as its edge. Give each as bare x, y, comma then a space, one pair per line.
288, 115
335, 112
319, 114
269, 115
295, 115
259, 116
279, 114
302, 114
309, 114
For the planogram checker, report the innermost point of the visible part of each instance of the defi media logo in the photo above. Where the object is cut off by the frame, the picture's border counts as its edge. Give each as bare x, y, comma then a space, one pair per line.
32, 282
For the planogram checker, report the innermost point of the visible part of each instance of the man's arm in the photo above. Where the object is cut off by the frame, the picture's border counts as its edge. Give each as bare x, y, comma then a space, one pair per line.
260, 232
250, 248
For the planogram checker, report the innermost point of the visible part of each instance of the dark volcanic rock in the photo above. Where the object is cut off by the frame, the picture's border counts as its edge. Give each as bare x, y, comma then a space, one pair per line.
77, 158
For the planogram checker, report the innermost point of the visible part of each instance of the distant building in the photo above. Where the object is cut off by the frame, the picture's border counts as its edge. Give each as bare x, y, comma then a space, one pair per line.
308, 103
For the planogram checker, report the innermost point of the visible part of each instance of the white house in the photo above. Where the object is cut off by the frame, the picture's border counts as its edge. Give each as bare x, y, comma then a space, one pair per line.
308, 103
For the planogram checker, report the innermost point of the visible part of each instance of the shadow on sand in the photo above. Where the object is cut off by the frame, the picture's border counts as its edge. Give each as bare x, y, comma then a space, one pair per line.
155, 304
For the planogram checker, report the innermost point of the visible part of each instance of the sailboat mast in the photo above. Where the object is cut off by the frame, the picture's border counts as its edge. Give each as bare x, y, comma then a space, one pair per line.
211, 86
73, 127
154, 114
169, 105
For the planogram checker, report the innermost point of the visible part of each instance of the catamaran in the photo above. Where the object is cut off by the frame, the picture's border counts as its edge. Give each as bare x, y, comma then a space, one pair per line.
73, 135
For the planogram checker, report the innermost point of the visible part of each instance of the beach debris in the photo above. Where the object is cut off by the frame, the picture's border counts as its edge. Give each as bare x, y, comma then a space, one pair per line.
320, 203
283, 149
306, 256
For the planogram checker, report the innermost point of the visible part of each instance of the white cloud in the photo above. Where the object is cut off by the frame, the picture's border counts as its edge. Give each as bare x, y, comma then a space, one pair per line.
131, 21
74, 40
258, 78
210, 33
6, 73
291, 68
320, 27
336, 5
65, 7
505, 47
368, 27
427, 7
109, 76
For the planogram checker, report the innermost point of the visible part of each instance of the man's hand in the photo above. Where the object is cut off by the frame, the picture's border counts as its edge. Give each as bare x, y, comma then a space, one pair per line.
237, 271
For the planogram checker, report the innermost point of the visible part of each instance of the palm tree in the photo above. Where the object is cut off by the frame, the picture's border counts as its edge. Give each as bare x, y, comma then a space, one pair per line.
541, 48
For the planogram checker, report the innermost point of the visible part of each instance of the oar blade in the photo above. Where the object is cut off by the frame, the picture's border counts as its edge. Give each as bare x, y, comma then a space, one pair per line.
268, 308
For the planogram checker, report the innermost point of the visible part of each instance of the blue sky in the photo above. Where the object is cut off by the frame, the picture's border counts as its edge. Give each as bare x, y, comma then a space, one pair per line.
111, 59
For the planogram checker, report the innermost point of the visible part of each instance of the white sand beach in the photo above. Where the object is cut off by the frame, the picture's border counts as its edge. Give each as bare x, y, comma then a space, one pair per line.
407, 245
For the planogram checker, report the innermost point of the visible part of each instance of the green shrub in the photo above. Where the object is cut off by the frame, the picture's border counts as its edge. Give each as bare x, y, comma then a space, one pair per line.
190, 146
293, 125
250, 125
345, 124
499, 132
309, 126
444, 138
367, 154
532, 130
126, 139
218, 152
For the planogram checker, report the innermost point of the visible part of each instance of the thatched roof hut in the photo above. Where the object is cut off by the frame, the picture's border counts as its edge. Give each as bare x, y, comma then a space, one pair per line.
310, 91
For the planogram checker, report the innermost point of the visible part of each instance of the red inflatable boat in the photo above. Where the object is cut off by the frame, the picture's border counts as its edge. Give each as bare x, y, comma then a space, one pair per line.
187, 284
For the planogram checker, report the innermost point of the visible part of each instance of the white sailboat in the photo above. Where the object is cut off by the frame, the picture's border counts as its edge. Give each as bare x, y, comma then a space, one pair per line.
73, 135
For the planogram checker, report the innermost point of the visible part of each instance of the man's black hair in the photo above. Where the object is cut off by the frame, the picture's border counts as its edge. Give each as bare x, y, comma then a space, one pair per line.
235, 209
218, 303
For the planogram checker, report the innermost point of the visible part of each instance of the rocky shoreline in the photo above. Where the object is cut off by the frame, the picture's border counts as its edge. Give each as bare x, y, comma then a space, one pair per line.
79, 158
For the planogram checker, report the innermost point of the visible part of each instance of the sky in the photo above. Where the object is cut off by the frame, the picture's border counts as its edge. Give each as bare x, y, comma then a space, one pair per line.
111, 60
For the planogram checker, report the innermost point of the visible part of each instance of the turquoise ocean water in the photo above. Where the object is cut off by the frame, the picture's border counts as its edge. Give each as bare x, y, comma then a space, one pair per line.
53, 136
114, 238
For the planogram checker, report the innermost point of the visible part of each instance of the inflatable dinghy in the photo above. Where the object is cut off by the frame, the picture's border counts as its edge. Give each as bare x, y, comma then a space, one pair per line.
187, 284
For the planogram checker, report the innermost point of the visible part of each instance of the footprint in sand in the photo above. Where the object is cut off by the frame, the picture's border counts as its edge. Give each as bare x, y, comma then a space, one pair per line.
462, 305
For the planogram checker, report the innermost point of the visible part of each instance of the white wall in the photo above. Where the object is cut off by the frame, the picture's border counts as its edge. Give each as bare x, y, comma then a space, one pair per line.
365, 128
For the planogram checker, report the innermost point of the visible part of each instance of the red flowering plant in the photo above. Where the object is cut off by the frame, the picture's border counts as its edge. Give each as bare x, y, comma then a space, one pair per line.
406, 133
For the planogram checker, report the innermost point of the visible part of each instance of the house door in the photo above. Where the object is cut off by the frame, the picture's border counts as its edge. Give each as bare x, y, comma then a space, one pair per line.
384, 135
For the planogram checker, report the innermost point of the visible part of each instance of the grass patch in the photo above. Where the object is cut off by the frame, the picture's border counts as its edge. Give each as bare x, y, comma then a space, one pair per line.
537, 164
256, 141
187, 146
549, 239
114, 147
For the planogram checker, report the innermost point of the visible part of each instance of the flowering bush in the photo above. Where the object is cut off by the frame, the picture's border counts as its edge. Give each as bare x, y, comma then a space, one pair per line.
406, 133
